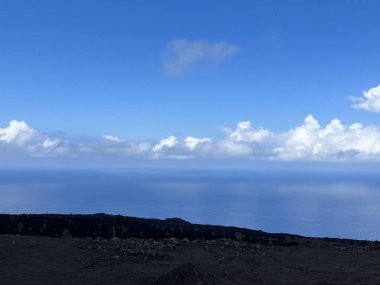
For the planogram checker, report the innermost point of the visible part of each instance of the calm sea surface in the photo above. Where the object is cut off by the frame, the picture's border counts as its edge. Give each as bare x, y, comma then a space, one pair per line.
338, 204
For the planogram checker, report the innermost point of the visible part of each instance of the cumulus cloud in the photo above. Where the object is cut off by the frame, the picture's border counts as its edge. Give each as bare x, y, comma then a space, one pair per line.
190, 147
112, 138
245, 141
245, 133
17, 132
370, 101
309, 141
181, 55
191, 142
333, 142
168, 142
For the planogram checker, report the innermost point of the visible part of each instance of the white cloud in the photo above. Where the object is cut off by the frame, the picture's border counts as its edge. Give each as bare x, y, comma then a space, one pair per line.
233, 148
370, 100
245, 141
49, 144
112, 138
309, 141
333, 142
143, 147
181, 55
138, 148
191, 142
168, 142
18, 132
245, 133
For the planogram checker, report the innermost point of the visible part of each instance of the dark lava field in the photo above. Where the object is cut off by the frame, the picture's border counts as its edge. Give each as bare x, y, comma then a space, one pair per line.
105, 249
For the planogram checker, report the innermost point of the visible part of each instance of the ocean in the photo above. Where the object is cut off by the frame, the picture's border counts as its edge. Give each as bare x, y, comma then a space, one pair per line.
342, 204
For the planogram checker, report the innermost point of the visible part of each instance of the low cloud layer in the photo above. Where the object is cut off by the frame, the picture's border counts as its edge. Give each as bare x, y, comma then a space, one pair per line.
307, 142
181, 55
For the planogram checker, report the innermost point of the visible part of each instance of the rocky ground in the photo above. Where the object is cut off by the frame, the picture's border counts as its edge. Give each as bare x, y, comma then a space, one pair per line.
47, 260
106, 249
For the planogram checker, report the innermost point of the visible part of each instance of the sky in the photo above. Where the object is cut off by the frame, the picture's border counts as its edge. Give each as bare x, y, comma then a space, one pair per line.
180, 80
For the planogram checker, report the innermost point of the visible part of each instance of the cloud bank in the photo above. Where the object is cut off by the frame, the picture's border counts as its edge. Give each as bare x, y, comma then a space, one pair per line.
181, 55
307, 142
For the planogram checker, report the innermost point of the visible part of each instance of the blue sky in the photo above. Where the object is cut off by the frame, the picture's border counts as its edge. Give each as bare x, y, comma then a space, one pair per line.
95, 68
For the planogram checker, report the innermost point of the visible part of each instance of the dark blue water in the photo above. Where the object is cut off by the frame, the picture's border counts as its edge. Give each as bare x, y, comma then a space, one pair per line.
336, 204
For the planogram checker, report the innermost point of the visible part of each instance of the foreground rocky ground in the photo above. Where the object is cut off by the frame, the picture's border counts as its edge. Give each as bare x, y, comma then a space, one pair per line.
28, 259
